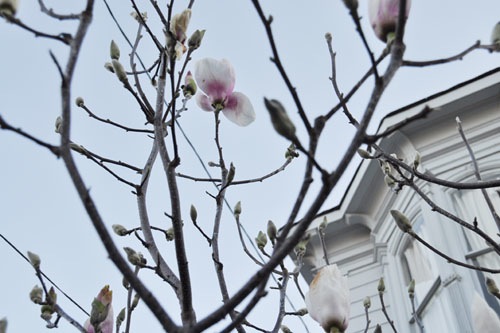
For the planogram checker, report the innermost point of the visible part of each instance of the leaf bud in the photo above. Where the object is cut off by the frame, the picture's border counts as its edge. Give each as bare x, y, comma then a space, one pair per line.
280, 120
194, 41
261, 240
381, 285
272, 231
119, 230
402, 221
193, 213
120, 71
58, 125
34, 260
36, 295
114, 51
8, 7
367, 302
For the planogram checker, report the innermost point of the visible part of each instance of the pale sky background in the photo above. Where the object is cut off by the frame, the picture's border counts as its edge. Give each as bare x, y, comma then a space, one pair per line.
40, 210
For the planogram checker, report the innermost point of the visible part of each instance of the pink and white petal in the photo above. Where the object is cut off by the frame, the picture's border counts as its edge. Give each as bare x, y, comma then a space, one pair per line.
215, 78
204, 102
239, 109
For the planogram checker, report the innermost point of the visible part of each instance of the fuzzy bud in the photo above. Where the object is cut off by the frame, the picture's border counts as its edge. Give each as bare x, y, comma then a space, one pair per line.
492, 287
328, 37
411, 288
280, 120
381, 285
302, 312
272, 231
9, 7
36, 295
363, 153
120, 71
34, 260
193, 213
237, 209
119, 230
383, 15
119, 319
169, 234
109, 67
179, 25
46, 312
79, 102
189, 88
495, 36
51, 296
3, 325
367, 302
285, 329
135, 301
300, 248
58, 125
230, 174
416, 160
114, 51
194, 41
133, 257
402, 221
261, 240
378, 329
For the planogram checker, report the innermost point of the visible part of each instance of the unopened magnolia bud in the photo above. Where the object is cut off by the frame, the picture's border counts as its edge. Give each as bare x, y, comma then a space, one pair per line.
389, 181
381, 285
230, 174
492, 287
46, 312
58, 125
416, 160
78, 148
114, 51
411, 288
120, 318
120, 71
3, 325
194, 41
179, 25
495, 36
79, 102
401, 220
125, 283
291, 152
119, 230
135, 301
8, 7
367, 302
169, 234
285, 329
109, 67
352, 5
301, 246
302, 312
261, 240
363, 153
193, 213
280, 120
378, 329
237, 208
34, 260
189, 88
328, 37
51, 296
133, 257
36, 295
272, 231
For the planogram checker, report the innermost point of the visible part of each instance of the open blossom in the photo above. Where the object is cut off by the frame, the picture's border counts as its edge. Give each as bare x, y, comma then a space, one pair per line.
328, 299
484, 318
384, 16
102, 313
216, 80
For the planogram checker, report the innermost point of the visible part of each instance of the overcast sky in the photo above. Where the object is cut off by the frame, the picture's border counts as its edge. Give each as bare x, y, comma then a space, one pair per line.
40, 210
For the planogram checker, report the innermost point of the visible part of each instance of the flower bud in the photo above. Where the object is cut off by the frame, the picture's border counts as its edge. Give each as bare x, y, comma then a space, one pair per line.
120, 318
416, 160
34, 260
189, 88
194, 41
58, 125
170, 234
363, 153
230, 174
384, 15
492, 287
109, 67
328, 299
411, 288
300, 248
328, 37
78, 148
36, 295
302, 312
9, 7
378, 329
79, 102
495, 36
352, 5
193, 213
51, 297
280, 120
272, 231
120, 71
285, 329
367, 302
402, 221
114, 51
135, 301
381, 285
237, 209
179, 25
133, 257
46, 312
261, 240
101, 314
119, 230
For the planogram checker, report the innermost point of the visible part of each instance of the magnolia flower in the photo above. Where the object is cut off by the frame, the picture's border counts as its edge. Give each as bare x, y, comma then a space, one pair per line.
328, 300
484, 318
216, 80
102, 313
384, 16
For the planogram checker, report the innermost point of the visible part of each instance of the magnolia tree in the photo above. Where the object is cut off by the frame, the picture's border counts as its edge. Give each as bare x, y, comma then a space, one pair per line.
162, 91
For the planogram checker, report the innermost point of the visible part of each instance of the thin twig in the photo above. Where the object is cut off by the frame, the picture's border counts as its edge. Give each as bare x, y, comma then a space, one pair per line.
108, 121
62, 37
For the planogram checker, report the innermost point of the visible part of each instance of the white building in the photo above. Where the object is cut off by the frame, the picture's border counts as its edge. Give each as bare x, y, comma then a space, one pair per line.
362, 238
